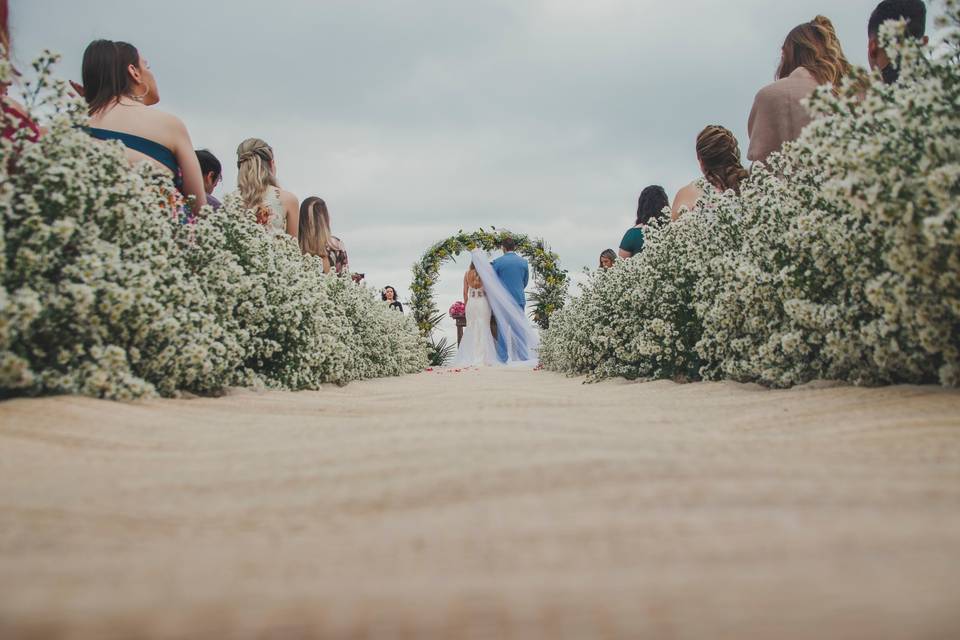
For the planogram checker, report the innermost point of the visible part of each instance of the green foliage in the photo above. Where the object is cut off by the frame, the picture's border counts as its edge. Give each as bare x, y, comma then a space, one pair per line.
550, 281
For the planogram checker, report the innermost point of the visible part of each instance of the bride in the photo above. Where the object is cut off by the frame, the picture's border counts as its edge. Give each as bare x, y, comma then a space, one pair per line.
477, 348
485, 297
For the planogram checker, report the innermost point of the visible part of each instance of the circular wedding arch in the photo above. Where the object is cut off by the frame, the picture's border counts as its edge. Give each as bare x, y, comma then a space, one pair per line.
549, 280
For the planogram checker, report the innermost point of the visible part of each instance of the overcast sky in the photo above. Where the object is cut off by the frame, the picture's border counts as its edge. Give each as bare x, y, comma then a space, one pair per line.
416, 118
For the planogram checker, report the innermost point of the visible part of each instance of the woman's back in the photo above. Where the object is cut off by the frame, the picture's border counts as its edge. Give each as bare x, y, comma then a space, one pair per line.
120, 90
473, 281
143, 122
257, 186
811, 56
778, 114
272, 214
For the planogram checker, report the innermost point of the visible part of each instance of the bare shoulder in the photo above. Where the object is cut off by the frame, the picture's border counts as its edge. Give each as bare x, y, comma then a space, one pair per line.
691, 191
288, 199
165, 119
166, 129
686, 199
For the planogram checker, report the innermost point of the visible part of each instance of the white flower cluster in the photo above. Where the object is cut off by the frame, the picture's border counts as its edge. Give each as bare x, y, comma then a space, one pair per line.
106, 291
840, 260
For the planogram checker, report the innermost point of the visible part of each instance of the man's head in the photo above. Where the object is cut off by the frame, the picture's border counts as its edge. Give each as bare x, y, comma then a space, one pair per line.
913, 11
508, 244
210, 168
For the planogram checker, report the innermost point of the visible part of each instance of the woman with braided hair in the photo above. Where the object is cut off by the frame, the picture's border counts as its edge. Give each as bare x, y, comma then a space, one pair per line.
276, 209
719, 154
811, 56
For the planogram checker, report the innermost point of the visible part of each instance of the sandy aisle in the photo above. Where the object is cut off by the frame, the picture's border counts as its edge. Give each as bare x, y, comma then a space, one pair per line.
384, 510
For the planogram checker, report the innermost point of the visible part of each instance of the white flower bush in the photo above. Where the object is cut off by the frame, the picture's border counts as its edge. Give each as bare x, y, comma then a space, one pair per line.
840, 260
107, 290
639, 319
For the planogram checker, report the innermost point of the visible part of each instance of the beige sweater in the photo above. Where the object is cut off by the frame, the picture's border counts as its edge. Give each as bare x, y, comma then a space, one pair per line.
777, 115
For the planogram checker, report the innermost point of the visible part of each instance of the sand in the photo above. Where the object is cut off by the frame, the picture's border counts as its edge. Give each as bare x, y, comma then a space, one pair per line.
485, 505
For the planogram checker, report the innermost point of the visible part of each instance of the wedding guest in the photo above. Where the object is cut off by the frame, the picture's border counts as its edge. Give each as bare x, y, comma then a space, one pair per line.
275, 208
120, 90
653, 200
914, 12
15, 116
811, 57
607, 259
317, 240
719, 154
212, 172
390, 296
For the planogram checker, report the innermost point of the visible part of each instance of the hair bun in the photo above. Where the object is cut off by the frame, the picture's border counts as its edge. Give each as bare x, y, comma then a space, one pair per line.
822, 21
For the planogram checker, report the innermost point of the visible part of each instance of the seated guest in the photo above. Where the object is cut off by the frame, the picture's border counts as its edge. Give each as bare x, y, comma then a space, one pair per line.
653, 200
15, 116
120, 91
390, 295
914, 12
811, 57
212, 172
316, 238
719, 156
607, 259
275, 208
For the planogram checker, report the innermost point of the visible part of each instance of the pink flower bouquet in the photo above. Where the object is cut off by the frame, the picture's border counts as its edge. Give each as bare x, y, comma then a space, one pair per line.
457, 310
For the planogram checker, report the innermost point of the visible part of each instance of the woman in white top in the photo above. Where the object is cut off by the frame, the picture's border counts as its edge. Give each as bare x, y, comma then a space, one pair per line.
276, 209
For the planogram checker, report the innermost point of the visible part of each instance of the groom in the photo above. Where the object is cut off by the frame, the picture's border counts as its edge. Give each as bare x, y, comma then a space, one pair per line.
514, 273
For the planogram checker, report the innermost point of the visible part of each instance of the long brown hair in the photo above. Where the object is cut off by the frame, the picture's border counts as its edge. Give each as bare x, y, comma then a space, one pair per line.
815, 46
719, 154
105, 72
255, 171
315, 233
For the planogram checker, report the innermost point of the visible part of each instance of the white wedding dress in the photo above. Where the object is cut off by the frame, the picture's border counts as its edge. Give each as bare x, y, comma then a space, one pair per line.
477, 348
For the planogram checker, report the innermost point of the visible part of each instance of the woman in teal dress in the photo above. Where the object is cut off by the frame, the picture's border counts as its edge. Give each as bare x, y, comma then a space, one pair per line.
653, 200
120, 90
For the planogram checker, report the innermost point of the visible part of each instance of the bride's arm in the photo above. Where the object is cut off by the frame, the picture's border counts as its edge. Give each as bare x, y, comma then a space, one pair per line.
465, 289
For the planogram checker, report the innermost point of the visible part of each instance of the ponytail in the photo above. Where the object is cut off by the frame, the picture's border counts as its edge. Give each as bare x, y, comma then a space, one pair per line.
255, 167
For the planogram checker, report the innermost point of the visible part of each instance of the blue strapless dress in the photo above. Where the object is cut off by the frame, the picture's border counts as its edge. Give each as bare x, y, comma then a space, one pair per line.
155, 150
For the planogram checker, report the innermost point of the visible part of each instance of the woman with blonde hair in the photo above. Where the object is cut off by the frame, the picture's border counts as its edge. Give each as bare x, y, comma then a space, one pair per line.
317, 240
811, 56
719, 155
275, 208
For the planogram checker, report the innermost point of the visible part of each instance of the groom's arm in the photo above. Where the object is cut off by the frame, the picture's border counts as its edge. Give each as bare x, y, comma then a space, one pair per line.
526, 276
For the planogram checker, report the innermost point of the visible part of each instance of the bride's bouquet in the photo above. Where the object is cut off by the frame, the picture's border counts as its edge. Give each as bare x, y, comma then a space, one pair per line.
457, 310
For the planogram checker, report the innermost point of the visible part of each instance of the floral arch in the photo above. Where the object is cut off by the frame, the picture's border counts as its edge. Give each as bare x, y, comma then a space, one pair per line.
550, 282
